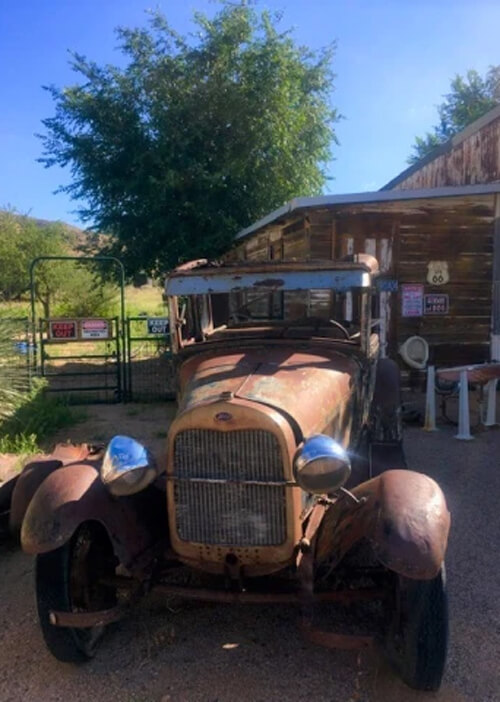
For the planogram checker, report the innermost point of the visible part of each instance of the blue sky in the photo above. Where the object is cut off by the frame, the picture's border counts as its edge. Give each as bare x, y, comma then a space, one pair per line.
395, 60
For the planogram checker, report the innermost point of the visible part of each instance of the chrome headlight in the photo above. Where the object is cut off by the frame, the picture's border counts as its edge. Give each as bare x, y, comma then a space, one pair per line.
321, 465
127, 467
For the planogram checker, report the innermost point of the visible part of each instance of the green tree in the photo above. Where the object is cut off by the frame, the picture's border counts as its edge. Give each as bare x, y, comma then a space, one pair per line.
196, 136
470, 98
21, 240
15, 232
65, 286
88, 295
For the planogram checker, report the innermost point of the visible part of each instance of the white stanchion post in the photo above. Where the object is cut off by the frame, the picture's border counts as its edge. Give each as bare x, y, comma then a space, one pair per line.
491, 403
430, 401
463, 409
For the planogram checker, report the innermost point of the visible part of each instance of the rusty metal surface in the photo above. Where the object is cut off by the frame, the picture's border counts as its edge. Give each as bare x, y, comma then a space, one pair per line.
29, 481
404, 516
344, 597
339, 277
308, 598
74, 494
35, 472
314, 389
262, 266
87, 620
239, 415
479, 373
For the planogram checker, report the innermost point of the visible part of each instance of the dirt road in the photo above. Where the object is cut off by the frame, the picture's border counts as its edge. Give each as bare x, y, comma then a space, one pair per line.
178, 652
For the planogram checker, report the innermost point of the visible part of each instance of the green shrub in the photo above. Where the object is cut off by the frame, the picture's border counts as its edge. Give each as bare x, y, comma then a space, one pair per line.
33, 417
86, 296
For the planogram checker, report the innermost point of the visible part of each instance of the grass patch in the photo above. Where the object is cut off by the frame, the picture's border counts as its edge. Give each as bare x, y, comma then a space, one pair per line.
34, 416
21, 444
146, 300
15, 310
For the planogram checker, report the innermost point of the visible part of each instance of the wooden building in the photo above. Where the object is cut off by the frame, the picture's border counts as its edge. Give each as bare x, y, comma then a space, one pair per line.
469, 158
436, 246
435, 230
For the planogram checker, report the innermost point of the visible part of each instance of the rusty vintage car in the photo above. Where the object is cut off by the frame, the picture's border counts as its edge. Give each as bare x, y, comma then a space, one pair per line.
284, 479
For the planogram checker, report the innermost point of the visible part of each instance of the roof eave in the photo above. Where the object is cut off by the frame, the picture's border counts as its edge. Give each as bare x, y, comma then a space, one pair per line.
305, 203
446, 147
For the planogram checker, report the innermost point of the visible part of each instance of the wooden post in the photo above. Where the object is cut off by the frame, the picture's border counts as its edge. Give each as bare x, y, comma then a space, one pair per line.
333, 239
495, 302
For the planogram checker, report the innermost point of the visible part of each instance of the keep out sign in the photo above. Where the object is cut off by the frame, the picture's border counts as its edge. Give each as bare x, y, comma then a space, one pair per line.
94, 329
63, 329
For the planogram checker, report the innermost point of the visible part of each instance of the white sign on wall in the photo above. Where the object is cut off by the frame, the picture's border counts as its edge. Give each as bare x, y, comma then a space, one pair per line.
438, 273
94, 329
412, 300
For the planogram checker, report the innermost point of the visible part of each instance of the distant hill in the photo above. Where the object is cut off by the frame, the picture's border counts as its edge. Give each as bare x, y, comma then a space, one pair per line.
79, 239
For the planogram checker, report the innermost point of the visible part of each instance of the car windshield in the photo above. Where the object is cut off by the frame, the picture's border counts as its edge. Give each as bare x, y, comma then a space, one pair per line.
215, 304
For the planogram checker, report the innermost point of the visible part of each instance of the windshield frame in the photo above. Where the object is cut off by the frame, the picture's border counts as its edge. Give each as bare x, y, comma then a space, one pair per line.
198, 282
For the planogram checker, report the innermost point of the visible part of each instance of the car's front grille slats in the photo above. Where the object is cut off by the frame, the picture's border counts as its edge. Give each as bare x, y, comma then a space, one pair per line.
232, 513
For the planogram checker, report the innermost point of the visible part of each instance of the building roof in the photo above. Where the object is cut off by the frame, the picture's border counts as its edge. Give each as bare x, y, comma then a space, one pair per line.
377, 196
446, 147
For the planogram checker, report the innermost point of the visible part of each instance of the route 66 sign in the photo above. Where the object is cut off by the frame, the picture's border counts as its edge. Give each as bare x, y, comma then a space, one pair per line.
437, 272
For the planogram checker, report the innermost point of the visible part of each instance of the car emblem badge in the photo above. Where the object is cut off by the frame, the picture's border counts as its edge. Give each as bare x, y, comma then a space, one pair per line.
223, 416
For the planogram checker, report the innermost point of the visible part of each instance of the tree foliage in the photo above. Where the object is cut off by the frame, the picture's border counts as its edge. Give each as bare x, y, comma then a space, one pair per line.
61, 287
470, 97
196, 136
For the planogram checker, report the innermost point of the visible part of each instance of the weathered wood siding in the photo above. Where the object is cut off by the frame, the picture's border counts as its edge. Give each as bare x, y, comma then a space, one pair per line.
470, 159
465, 241
404, 237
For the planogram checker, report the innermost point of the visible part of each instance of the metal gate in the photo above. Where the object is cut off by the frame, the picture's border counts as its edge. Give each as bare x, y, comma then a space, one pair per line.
82, 359
16, 354
150, 374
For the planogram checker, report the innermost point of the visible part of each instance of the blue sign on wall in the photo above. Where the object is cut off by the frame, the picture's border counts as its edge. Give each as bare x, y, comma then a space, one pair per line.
386, 284
158, 325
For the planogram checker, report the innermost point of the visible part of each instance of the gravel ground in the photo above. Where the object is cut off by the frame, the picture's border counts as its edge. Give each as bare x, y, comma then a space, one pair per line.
190, 652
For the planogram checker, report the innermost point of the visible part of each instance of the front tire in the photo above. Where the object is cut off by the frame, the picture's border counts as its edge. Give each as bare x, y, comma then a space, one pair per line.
69, 579
418, 635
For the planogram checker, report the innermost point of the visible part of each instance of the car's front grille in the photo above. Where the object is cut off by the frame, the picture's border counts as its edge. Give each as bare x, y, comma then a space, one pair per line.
233, 512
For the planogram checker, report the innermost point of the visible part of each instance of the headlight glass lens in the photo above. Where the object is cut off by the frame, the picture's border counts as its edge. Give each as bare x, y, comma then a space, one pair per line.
127, 467
321, 465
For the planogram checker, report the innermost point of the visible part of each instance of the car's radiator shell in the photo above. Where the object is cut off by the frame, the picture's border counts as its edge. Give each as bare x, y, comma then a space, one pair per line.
229, 487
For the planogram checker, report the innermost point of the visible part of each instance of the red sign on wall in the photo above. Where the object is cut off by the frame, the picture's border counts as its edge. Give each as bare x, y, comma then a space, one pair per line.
65, 329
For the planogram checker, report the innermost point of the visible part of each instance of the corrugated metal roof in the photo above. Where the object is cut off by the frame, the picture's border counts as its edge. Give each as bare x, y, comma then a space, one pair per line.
305, 203
446, 147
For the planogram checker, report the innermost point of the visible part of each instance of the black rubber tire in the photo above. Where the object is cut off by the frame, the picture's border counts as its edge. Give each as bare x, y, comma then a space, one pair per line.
418, 635
53, 573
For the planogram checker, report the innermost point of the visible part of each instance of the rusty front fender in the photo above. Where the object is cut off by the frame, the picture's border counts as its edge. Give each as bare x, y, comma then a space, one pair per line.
33, 475
75, 494
404, 516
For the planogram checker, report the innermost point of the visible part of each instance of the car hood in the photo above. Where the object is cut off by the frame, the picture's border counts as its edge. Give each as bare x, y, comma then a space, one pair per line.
313, 390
